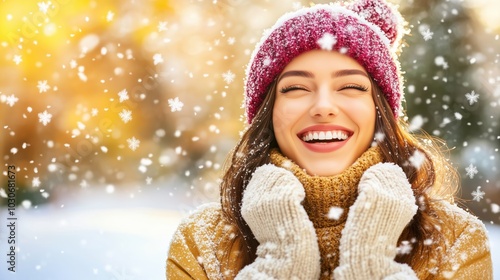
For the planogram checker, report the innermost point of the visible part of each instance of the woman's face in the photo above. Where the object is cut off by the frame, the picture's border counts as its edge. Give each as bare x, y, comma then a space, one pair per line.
324, 113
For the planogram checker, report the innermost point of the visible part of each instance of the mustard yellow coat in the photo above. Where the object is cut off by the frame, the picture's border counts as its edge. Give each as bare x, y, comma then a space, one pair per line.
199, 247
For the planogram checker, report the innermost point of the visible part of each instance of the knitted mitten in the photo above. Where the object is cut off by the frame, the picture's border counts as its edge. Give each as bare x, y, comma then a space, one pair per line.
375, 221
288, 246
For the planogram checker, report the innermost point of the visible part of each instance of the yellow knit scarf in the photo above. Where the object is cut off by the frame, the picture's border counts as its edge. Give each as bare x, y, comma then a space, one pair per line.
328, 200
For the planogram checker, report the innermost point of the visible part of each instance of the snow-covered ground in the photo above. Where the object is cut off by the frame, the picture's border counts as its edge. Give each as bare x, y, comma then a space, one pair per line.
95, 235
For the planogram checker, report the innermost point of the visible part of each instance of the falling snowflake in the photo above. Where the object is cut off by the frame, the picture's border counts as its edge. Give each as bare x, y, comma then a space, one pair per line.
43, 86
267, 61
94, 112
404, 248
162, 26
379, 137
110, 188
471, 170
334, 213
495, 208
231, 40
157, 58
149, 180
81, 74
123, 94
44, 117
17, 59
73, 64
440, 61
327, 41
175, 104
417, 159
83, 184
133, 143
478, 194
35, 182
109, 16
126, 115
472, 97
26, 204
427, 34
416, 123
11, 100
44, 7
228, 77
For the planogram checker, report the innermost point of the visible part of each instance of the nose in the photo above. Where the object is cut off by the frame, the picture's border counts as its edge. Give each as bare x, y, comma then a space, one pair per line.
324, 104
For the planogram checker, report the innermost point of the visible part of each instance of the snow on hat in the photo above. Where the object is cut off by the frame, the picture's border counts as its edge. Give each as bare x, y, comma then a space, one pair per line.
367, 30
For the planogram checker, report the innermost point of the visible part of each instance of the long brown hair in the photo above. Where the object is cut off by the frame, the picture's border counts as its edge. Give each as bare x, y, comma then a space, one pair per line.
251, 152
423, 158
420, 156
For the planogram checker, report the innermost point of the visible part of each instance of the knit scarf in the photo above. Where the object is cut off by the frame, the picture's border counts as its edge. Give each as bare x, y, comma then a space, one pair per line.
328, 200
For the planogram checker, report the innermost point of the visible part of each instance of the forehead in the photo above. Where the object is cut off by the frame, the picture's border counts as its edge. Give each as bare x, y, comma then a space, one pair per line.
319, 60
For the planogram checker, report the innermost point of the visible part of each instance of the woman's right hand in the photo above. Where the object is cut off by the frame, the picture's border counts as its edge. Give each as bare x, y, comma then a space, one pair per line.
288, 246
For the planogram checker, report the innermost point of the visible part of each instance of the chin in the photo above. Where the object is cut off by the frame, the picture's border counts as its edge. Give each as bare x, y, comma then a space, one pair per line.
323, 172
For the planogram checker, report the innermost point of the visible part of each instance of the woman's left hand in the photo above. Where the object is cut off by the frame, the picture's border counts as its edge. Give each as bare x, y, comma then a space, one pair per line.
385, 205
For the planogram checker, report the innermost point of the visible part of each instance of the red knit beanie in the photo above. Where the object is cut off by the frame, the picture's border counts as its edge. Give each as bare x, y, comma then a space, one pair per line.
367, 30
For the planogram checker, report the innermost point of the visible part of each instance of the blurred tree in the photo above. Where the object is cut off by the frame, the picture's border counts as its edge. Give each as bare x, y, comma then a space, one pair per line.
446, 64
438, 63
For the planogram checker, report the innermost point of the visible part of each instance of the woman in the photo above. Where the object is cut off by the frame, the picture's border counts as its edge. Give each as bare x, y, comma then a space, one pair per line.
326, 182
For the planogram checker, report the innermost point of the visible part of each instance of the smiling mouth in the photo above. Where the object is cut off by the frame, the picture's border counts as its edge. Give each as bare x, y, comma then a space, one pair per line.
324, 136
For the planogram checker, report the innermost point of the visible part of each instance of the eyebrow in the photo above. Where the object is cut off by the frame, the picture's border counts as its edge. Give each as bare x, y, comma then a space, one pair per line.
347, 72
306, 74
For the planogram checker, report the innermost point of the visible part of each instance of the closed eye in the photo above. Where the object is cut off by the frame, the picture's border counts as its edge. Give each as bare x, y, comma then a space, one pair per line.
291, 88
354, 86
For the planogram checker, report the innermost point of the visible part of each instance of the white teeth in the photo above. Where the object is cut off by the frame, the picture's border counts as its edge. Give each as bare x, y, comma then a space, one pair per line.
322, 135
325, 135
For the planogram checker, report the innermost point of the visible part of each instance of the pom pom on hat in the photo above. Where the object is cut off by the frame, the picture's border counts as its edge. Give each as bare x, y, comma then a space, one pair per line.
369, 31
381, 14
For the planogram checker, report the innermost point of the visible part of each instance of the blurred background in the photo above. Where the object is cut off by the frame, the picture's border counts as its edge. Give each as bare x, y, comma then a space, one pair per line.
118, 117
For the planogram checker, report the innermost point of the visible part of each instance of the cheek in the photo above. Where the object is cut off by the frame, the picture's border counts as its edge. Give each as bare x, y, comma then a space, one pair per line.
362, 110
366, 121
284, 115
